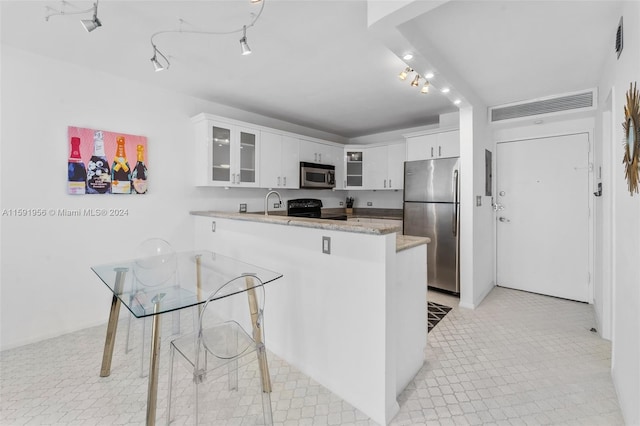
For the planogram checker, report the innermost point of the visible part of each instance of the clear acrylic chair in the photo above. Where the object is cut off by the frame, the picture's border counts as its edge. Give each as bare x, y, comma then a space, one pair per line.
230, 336
155, 266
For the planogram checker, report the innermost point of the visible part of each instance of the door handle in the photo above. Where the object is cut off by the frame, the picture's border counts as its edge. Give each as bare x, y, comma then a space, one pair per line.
285, 180
455, 204
504, 219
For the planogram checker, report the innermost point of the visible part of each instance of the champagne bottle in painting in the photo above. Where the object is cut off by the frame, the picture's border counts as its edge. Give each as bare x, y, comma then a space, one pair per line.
98, 173
120, 170
77, 173
139, 175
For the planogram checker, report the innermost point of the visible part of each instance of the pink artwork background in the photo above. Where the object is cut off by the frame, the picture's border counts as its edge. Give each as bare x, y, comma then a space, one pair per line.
86, 145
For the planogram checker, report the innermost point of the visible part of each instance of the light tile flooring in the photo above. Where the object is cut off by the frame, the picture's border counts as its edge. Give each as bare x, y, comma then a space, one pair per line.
518, 359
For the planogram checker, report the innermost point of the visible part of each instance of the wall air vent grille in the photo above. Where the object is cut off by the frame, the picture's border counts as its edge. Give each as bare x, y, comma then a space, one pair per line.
566, 103
619, 39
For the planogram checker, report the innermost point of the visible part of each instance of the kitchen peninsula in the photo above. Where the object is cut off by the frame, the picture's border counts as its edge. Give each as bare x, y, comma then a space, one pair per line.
352, 319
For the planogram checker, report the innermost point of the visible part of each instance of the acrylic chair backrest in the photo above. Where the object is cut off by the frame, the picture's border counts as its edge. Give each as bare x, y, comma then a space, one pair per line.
237, 304
155, 264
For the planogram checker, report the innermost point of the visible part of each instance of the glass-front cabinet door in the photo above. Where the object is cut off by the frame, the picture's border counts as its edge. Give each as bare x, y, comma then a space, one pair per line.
221, 155
226, 152
248, 150
233, 155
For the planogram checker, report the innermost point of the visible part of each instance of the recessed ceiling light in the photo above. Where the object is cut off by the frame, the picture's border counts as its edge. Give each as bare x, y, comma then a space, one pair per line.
429, 75
445, 90
457, 102
408, 56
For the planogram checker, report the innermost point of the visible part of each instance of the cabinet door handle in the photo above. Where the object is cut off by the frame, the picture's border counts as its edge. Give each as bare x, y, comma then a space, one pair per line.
233, 178
385, 183
439, 151
389, 183
432, 152
278, 180
315, 157
320, 158
285, 181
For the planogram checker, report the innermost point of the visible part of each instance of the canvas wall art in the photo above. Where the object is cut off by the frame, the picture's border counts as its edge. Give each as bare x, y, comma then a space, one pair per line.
103, 162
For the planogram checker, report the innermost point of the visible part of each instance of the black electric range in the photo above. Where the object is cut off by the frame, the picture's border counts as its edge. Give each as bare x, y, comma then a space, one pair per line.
310, 207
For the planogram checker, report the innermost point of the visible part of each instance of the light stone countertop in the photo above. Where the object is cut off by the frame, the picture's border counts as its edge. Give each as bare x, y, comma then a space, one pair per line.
403, 242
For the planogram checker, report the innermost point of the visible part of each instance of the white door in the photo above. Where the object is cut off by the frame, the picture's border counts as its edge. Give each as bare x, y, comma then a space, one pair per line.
543, 217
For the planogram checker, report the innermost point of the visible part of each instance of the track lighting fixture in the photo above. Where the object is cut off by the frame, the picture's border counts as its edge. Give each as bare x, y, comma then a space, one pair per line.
404, 73
425, 88
244, 47
415, 81
88, 24
157, 65
93, 23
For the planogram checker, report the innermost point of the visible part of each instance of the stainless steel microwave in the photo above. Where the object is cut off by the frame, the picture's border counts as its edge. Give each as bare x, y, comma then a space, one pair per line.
317, 176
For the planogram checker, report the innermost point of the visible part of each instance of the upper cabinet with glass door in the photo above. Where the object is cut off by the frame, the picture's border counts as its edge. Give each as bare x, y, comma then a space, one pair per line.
226, 153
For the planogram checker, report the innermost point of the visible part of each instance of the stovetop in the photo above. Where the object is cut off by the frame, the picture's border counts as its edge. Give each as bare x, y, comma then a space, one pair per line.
310, 207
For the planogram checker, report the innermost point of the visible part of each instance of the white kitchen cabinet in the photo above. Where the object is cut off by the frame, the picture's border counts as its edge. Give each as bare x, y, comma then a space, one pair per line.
279, 161
353, 169
433, 145
375, 168
315, 152
226, 153
396, 156
384, 167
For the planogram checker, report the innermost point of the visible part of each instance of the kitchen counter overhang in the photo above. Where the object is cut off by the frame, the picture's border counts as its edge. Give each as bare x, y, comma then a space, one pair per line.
403, 242
279, 219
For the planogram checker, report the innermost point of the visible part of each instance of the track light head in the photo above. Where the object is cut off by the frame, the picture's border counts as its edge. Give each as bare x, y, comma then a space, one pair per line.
93, 23
244, 47
415, 81
404, 73
425, 88
157, 65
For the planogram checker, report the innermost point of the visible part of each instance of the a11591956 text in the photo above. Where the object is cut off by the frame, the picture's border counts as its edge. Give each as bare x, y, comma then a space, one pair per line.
60, 212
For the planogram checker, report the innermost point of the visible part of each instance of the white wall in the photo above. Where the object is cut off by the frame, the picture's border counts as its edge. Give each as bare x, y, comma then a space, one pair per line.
47, 288
625, 238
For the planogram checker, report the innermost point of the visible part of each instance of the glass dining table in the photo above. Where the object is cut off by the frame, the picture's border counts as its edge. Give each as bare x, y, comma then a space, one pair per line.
168, 282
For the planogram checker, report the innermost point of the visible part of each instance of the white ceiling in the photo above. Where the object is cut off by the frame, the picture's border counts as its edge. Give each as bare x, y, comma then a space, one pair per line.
315, 63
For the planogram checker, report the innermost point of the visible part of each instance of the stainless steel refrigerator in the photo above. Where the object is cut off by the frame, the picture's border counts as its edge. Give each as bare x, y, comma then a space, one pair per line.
432, 209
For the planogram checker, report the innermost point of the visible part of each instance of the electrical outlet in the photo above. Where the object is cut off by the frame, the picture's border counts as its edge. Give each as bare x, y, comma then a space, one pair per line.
342, 203
243, 207
478, 200
369, 203
326, 245
213, 226
276, 205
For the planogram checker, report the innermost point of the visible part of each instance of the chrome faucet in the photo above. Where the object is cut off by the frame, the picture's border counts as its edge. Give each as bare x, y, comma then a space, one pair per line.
266, 201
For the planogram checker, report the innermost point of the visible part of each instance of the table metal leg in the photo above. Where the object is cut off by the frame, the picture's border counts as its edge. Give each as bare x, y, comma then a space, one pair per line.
112, 325
154, 363
257, 334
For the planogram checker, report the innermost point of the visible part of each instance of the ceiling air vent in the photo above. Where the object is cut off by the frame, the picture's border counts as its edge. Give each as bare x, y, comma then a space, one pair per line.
573, 102
619, 42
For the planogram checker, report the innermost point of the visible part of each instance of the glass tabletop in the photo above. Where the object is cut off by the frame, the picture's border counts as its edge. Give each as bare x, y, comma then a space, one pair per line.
164, 283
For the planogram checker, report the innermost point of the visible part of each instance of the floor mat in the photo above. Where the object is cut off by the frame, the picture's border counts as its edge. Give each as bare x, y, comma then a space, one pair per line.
436, 312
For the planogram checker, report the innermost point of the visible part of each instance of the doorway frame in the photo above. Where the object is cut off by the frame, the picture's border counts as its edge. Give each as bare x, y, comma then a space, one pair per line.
554, 128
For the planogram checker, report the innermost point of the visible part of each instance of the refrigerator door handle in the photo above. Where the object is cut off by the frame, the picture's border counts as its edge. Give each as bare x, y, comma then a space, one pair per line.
455, 203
